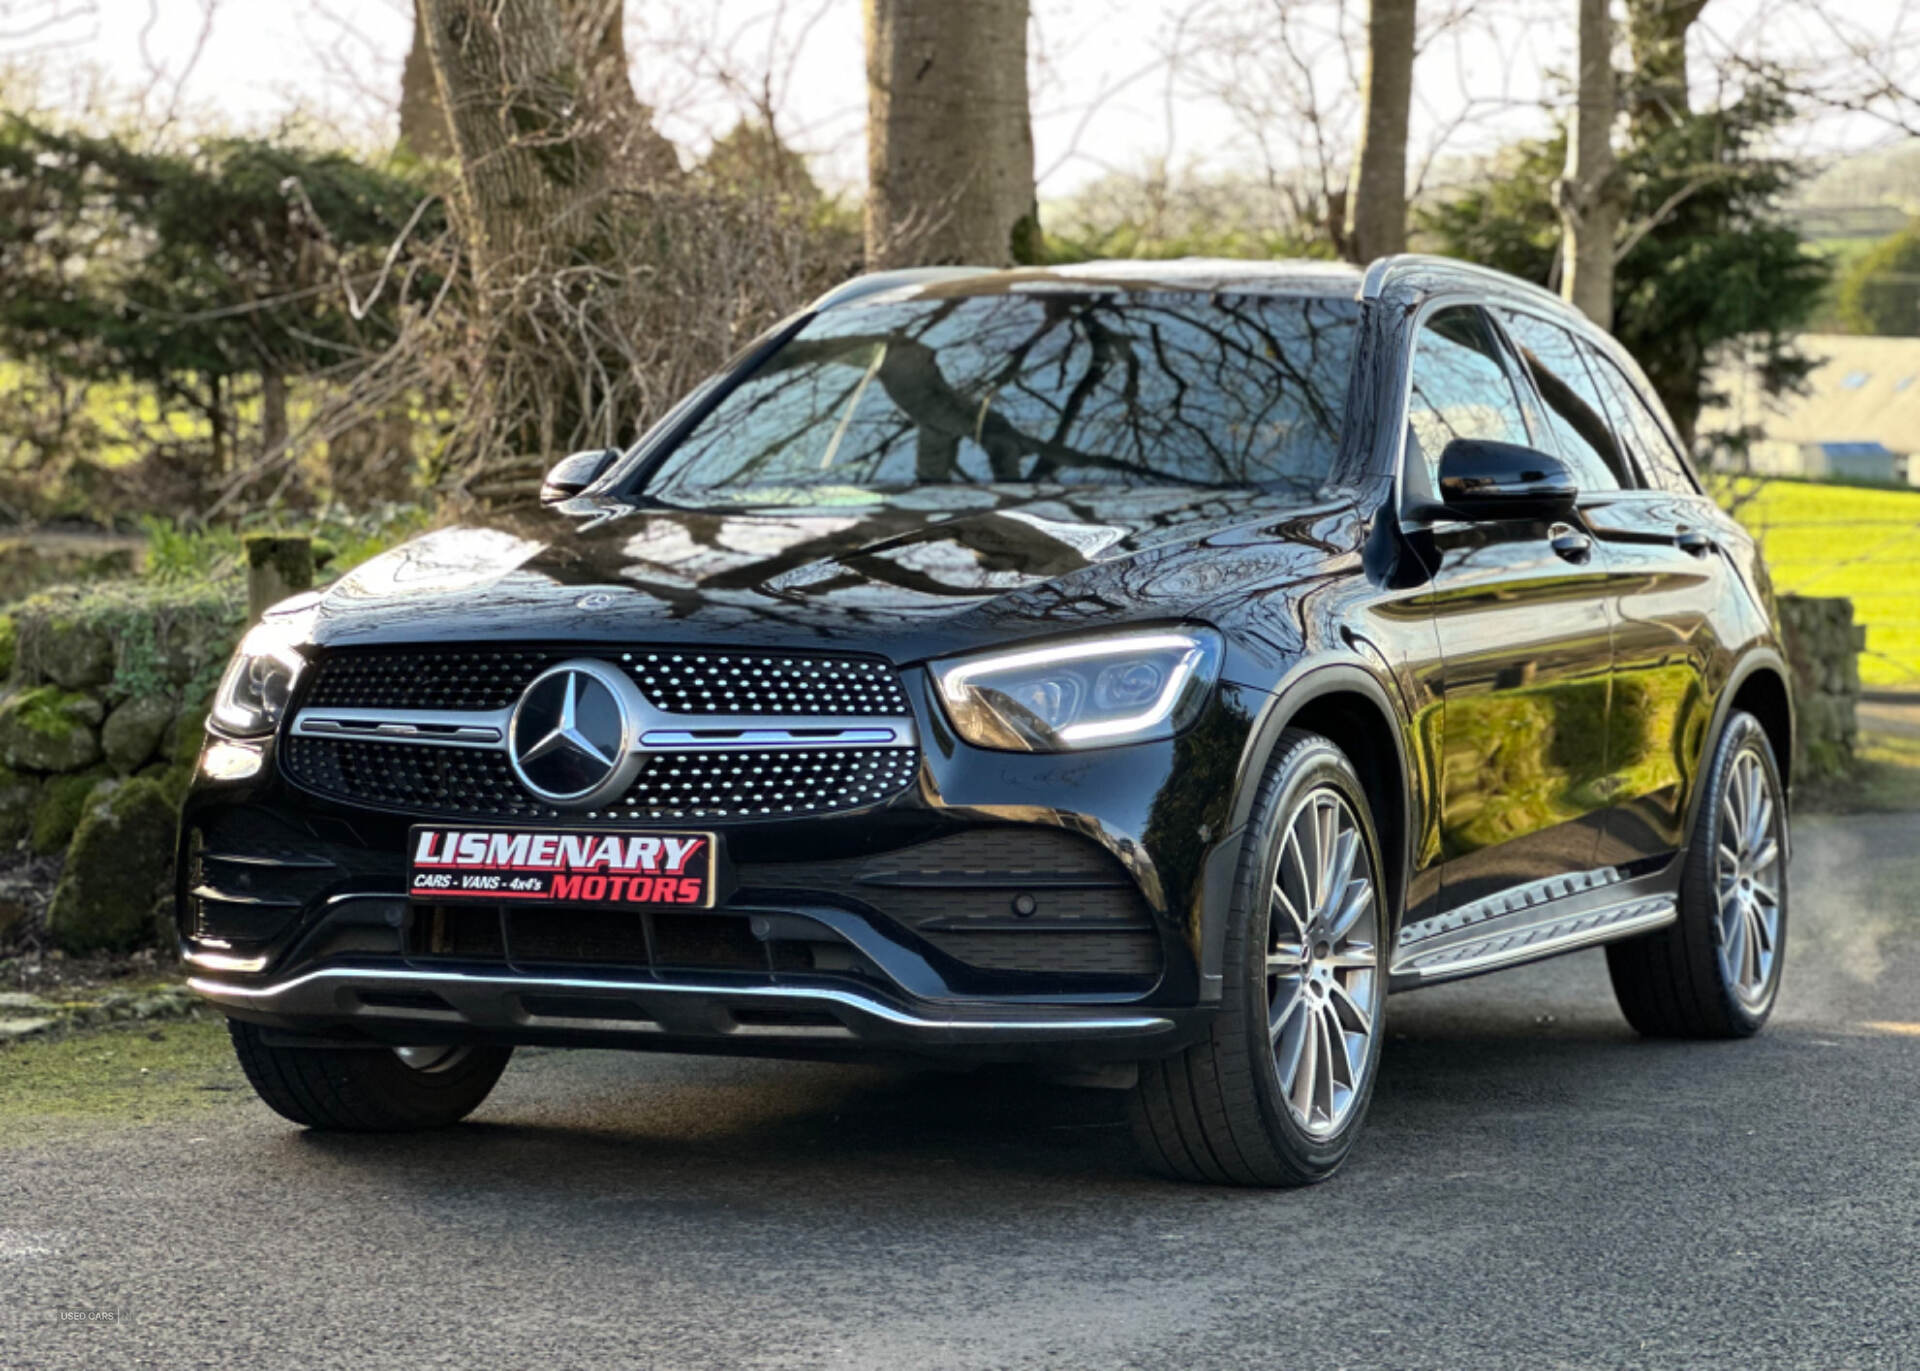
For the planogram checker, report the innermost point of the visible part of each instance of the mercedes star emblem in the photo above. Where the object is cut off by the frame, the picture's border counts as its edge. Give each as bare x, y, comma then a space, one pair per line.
573, 736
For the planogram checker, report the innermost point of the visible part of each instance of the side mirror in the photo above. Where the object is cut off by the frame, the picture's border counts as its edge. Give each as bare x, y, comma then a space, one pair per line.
571, 475
1484, 480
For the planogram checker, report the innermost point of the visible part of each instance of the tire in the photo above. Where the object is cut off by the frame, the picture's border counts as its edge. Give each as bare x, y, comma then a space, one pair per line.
1226, 1111
1715, 972
366, 1090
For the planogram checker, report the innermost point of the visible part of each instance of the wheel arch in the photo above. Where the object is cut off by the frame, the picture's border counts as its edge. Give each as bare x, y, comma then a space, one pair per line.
1760, 684
1350, 706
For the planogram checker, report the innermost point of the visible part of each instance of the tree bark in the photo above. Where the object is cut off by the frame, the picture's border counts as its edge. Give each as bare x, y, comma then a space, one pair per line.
1589, 195
949, 140
273, 413
1657, 42
533, 165
596, 29
1377, 195
423, 120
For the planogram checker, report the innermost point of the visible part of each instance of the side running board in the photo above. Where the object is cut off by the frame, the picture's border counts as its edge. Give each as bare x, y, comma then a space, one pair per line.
1525, 925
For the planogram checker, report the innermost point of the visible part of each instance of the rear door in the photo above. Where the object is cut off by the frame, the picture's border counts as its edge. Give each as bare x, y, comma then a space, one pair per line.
1670, 575
1521, 614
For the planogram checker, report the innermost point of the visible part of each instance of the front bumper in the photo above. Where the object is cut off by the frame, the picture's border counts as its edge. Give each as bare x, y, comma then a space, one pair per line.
399, 1005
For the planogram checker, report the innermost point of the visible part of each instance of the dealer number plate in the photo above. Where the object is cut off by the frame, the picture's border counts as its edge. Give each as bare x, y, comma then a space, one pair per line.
562, 866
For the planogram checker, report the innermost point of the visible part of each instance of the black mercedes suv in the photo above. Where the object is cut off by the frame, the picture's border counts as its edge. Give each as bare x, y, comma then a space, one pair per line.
1136, 668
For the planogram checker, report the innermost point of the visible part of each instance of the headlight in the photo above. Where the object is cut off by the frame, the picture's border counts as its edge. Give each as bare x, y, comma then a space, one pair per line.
259, 682
1124, 688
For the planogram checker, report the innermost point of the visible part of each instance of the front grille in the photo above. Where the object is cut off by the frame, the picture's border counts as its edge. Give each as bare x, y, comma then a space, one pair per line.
772, 685
462, 781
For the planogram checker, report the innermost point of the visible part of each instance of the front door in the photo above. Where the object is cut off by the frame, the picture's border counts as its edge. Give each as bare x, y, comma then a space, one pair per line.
1520, 608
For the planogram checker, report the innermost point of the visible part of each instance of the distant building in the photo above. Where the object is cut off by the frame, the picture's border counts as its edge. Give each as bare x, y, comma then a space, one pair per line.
1859, 419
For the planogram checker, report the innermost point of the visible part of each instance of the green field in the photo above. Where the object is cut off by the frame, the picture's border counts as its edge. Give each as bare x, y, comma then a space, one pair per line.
1852, 541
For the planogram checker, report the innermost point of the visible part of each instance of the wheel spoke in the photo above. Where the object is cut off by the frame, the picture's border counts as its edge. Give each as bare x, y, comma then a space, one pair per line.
1324, 821
1285, 1005
1347, 1011
1352, 956
1734, 953
1300, 1080
1359, 899
1286, 907
1339, 1059
1292, 845
1751, 974
1346, 852
1286, 958
1323, 1068
1762, 819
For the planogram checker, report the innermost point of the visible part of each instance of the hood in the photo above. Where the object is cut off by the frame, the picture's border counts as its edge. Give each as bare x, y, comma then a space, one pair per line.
942, 570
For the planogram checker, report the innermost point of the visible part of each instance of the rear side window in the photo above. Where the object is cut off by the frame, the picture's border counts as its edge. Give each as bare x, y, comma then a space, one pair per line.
1575, 412
1460, 388
1658, 455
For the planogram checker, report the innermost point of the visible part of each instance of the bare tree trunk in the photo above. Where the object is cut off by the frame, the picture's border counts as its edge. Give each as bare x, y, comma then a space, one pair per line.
1589, 195
597, 32
1377, 195
423, 120
273, 412
1657, 41
949, 142
531, 167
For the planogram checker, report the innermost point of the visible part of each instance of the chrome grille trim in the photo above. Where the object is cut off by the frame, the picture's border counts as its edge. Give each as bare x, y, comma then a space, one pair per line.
660, 732
440, 727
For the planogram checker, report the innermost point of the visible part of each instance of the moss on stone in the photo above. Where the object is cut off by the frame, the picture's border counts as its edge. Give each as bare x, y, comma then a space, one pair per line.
50, 729
116, 865
136, 638
63, 799
19, 798
9, 645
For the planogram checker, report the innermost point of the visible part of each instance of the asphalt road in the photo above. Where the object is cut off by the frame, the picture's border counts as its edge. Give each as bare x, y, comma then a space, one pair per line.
1538, 1189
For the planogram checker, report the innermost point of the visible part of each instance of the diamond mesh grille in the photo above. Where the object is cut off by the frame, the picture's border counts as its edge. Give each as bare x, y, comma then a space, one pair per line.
773, 685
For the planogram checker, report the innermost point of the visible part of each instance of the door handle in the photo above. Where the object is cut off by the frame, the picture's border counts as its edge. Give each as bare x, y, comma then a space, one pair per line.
1570, 543
1692, 540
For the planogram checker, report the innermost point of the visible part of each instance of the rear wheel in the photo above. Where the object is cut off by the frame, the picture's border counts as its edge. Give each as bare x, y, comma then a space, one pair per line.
1277, 1093
367, 1090
1716, 971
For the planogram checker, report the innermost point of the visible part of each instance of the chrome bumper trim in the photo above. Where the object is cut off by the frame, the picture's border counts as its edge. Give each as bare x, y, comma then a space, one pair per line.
277, 996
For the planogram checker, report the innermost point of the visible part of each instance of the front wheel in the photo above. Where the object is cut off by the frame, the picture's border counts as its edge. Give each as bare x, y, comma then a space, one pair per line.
1715, 972
367, 1090
1277, 1093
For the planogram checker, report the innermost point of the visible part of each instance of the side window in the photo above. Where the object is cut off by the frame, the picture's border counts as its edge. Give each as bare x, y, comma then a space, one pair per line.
1658, 455
1460, 389
1575, 412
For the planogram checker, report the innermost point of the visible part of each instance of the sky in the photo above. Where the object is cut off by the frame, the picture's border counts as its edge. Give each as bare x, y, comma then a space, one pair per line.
1105, 96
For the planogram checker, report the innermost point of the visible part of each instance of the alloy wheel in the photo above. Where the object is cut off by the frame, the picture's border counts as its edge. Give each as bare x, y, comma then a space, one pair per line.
1323, 962
1747, 877
432, 1057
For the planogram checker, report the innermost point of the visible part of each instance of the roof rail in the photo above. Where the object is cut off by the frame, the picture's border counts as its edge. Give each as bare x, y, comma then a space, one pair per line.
1383, 269
874, 282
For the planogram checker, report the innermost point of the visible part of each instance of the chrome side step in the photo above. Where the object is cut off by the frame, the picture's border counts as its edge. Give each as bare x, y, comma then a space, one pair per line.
1428, 952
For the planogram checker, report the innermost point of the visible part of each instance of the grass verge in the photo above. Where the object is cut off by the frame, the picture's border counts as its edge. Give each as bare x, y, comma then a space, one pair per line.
123, 1075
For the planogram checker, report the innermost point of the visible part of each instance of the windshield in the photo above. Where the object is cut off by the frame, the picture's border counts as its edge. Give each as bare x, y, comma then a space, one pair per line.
1057, 389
